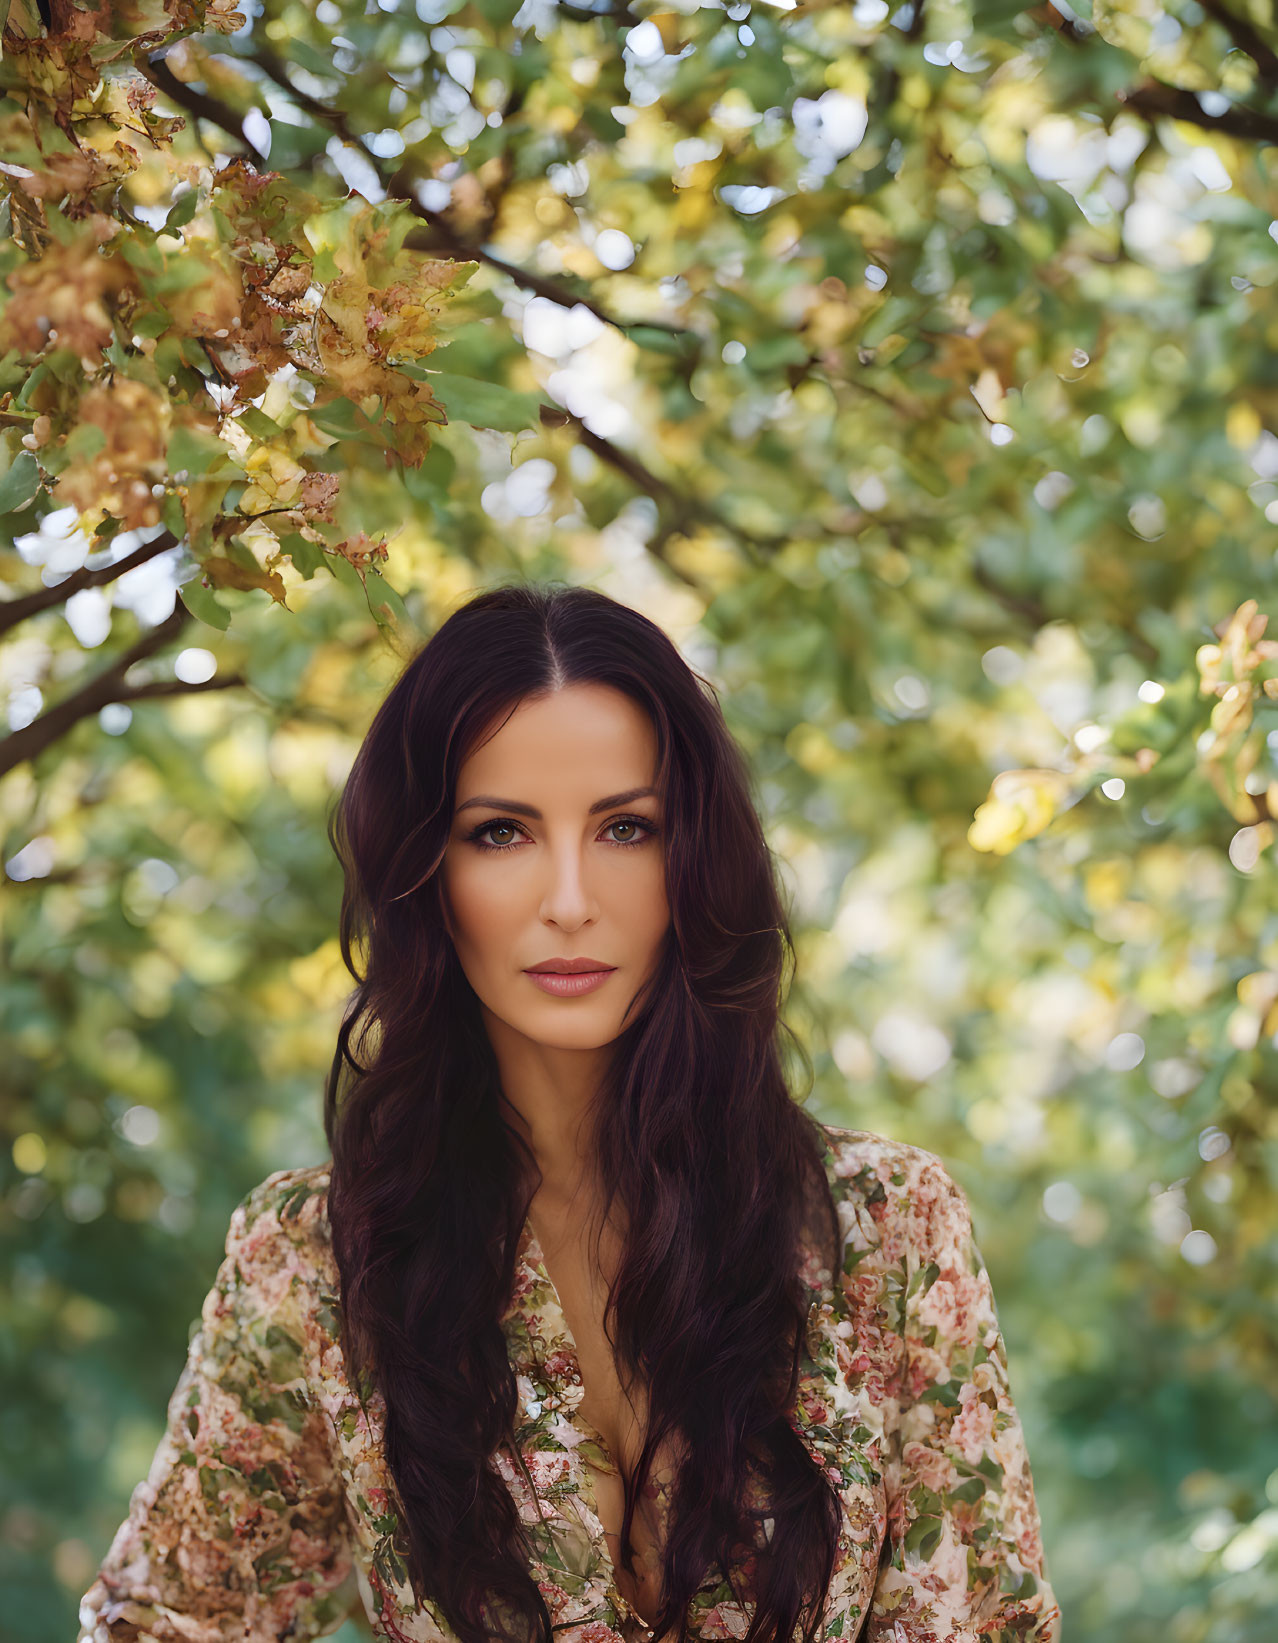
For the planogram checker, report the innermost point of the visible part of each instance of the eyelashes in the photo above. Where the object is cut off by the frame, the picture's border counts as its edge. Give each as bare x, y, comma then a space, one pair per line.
647, 830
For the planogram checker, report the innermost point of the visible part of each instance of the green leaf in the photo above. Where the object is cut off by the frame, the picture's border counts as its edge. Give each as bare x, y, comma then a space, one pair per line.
310, 57
200, 602
657, 341
383, 600
430, 479
344, 572
239, 553
13, 368
604, 123
194, 354
84, 442
258, 423
485, 404
923, 1536
344, 419
198, 455
38, 376
171, 514
21, 485
944, 1393
151, 322
182, 211
785, 349
307, 556
179, 273
471, 350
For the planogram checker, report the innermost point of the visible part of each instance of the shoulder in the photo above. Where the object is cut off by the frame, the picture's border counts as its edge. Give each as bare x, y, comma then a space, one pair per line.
863, 1156
279, 1230
288, 1197
907, 1191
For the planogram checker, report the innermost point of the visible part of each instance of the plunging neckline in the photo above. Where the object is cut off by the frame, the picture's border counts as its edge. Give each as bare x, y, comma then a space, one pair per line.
535, 1257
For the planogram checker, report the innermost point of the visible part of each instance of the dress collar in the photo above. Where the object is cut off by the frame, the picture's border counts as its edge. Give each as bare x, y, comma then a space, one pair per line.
542, 1347
547, 1367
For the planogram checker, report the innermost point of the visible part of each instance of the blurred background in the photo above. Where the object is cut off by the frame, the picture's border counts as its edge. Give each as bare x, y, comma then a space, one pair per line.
913, 367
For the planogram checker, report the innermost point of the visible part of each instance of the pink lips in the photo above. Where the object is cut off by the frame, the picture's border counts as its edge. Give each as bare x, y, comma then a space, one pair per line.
571, 981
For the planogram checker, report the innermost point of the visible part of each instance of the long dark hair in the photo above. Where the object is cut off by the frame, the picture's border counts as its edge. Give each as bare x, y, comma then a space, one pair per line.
718, 1168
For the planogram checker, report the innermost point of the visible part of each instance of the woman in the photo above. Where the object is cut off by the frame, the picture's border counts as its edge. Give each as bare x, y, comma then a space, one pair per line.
588, 1328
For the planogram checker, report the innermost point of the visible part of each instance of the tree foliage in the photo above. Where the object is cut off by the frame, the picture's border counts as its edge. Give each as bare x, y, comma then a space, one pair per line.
913, 366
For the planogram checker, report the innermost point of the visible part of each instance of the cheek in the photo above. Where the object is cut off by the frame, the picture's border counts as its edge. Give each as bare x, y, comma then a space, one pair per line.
477, 902
649, 912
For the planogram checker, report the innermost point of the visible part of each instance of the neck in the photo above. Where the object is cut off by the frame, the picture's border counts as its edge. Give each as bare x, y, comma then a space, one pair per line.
547, 1093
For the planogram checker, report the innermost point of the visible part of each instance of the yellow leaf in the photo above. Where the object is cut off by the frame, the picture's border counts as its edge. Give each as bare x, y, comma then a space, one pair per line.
230, 573
1021, 804
1242, 426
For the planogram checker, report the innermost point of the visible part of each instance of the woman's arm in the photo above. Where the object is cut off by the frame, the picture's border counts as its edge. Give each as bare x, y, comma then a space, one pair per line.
239, 1530
963, 1554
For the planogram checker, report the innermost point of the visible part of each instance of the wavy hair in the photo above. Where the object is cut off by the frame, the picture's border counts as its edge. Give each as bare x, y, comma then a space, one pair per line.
694, 1131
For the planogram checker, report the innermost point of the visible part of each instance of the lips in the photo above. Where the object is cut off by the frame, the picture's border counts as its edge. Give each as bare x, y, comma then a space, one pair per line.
569, 983
568, 967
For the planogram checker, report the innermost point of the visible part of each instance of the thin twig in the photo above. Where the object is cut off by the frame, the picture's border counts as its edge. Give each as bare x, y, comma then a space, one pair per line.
14, 611
105, 687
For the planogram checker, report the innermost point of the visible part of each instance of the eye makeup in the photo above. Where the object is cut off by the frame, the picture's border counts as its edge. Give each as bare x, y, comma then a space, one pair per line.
647, 830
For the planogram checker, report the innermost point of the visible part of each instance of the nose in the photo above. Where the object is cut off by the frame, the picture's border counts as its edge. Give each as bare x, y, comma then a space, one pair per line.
568, 900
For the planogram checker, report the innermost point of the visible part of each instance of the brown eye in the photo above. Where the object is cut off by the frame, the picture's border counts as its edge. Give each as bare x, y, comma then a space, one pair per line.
503, 824
500, 825
646, 830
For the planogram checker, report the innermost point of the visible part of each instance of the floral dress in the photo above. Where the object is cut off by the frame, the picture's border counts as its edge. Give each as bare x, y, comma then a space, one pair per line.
269, 1510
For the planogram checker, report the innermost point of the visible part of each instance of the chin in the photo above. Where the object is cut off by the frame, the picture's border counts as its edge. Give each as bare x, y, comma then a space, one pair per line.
585, 1035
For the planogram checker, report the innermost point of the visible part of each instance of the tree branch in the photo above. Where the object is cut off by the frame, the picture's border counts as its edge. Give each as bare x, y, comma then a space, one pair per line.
682, 510
1066, 27
445, 239
105, 687
1247, 39
201, 104
620, 14
1154, 98
218, 113
160, 688
14, 611
1031, 610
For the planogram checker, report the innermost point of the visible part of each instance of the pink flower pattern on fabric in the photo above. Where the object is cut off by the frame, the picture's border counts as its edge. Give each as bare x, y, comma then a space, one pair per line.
269, 1510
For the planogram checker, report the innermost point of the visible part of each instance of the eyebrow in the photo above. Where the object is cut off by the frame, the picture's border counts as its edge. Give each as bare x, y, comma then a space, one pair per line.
518, 809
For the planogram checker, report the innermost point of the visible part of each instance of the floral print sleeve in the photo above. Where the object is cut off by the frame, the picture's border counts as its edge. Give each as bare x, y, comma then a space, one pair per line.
239, 1530
963, 1558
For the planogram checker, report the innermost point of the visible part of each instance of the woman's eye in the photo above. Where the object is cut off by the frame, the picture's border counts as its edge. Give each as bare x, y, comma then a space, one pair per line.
493, 827
640, 829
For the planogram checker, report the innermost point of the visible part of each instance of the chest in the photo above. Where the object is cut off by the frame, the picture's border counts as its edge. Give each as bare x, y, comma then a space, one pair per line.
618, 1414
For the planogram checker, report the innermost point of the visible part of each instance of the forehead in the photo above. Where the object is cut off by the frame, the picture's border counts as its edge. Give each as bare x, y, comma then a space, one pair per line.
582, 740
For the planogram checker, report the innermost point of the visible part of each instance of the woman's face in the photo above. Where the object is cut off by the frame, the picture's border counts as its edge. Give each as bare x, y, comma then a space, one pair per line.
555, 853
